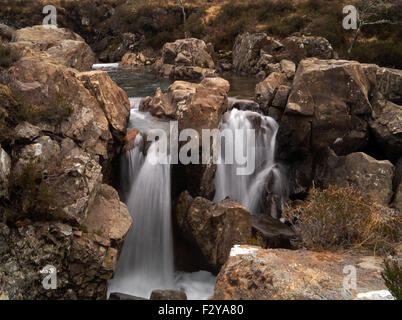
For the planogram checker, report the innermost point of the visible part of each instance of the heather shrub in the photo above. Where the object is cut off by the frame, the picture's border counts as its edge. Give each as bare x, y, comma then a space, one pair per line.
342, 217
392, 276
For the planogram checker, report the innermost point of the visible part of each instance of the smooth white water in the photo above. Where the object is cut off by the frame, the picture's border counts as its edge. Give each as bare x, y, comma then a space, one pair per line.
105, 66
251, 190
146, 262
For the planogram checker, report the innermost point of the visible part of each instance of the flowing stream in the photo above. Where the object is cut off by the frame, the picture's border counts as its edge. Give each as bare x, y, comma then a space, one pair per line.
146, 262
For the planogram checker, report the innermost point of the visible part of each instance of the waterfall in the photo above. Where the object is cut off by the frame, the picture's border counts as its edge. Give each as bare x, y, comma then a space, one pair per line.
265, 190
146, 262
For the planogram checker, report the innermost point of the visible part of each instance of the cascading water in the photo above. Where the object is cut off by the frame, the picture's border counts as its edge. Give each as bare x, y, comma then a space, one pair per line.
251, 190
146, 262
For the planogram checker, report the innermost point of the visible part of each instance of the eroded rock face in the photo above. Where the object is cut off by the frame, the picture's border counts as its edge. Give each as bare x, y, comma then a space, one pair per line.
112, 99
266, 90
257, 53
83, 261
65, 216
194, 106
187, 59
213, 227
136, 59
252, 273
65, 46
367, 174
327, 106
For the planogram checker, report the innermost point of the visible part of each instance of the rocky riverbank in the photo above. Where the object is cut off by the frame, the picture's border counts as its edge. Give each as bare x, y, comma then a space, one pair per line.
64, 126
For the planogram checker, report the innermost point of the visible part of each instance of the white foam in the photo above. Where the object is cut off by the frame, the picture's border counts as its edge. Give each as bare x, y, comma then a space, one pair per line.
105, 66
237, 249
375, 295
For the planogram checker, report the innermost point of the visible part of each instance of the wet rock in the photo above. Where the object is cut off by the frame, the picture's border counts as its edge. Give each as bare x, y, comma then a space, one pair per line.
186, 59
130, 139
213, 227
244, 105
252, 273
168, 295
123, 296
5, 169
112, 99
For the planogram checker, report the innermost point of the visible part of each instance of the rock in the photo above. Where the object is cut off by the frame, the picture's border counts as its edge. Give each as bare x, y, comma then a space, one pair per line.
130, 140
6, 33
65, 46
367, 174
247, 50
82, 263
187, 59
27, 131
254, 53
135, 59
297, 48
281, 97
288, 68
111, 98
123, 296
274, 233
74, 54
108, 217
67, 108
390, 84
244, 105
386, 126
5, 169
397, 203
213, 227
265, 90
195, 106
327, 106
168, 295
252, 273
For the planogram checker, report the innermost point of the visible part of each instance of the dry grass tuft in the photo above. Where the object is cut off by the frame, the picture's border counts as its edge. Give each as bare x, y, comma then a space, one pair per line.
341, 217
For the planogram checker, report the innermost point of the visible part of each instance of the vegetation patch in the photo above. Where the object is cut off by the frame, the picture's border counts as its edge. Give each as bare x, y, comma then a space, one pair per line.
341, 217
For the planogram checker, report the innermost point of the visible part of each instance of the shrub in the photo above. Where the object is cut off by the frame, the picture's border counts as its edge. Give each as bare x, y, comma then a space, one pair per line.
7, 55
341, 217
392, 276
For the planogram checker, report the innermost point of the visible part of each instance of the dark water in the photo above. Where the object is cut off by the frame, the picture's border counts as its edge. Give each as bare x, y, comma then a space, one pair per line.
143, 82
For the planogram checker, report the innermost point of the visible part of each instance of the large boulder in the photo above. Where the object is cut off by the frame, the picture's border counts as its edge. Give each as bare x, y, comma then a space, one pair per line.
61, 103
67, 47
367, 174
256, 53
83, 261
113, 100
252, 273
187, 59
195, 106
390, 84
213, 227
327, 106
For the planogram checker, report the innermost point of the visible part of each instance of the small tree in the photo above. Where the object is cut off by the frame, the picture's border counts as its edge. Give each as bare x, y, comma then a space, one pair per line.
369, 12
183, 9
